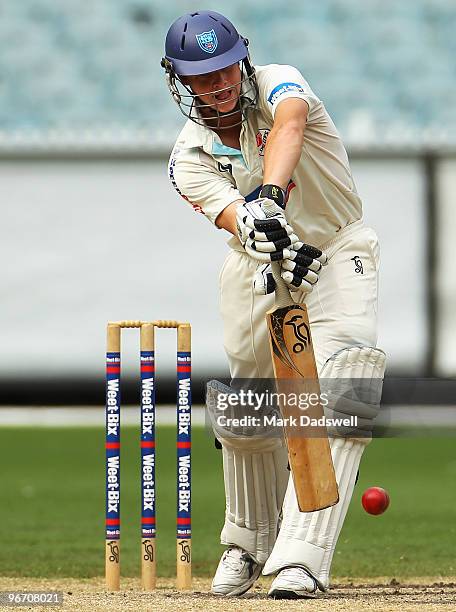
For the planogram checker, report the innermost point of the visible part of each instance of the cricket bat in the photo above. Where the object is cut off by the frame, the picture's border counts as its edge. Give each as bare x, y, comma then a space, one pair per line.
293, 359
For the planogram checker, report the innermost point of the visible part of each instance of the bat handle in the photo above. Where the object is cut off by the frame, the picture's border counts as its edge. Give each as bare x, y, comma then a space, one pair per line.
282, 294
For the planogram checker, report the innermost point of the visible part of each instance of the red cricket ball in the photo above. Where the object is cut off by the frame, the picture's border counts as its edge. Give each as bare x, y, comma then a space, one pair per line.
375, 500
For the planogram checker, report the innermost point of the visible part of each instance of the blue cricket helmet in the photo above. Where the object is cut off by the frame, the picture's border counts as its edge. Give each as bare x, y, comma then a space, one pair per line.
202, 42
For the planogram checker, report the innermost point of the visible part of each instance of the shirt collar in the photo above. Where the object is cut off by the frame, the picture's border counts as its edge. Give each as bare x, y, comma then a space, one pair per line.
220, 149
199, 136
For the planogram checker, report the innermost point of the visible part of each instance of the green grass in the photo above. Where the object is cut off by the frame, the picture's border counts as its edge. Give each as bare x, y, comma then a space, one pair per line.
52, 505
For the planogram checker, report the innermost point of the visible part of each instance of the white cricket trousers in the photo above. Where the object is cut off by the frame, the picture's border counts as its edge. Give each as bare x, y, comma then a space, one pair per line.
342, 306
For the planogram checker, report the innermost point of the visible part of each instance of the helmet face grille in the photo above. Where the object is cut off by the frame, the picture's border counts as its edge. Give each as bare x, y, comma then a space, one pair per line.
207, 115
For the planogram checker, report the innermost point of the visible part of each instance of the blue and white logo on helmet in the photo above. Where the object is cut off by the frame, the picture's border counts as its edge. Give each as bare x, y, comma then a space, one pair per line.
207, 41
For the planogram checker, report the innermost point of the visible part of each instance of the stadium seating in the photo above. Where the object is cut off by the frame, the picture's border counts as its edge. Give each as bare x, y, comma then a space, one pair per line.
72, 64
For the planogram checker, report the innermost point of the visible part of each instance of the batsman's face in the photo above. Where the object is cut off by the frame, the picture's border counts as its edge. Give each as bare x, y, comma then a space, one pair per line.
220, 89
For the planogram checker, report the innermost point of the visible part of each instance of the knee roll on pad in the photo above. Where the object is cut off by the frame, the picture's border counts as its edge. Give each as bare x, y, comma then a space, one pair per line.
352, 380
227, 425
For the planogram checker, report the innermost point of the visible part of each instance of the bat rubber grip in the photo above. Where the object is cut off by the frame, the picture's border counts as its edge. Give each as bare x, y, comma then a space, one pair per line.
282, 294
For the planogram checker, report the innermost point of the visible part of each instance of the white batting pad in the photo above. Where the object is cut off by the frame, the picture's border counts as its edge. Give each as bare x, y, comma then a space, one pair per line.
255, 484
308, 539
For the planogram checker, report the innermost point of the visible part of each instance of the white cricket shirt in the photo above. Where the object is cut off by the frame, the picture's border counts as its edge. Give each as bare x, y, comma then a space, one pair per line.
322, 197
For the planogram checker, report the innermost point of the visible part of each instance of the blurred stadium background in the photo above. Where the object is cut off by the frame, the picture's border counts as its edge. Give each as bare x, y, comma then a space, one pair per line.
92, 230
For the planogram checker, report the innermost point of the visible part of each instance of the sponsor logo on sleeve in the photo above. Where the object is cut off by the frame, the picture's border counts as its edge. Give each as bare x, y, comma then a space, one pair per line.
261, 139
207, 41
282, 89
172, 164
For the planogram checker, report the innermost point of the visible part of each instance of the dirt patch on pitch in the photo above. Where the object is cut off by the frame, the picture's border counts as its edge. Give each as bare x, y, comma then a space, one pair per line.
380, 594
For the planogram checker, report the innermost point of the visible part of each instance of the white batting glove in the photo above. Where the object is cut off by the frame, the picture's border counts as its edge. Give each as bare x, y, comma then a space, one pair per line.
264, 238
300, 272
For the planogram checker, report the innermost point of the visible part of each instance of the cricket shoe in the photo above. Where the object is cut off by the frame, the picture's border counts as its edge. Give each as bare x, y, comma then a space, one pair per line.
293, 583
236, 572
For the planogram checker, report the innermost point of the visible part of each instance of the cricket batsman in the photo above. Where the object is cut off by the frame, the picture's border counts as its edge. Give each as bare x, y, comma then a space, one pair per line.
256, 134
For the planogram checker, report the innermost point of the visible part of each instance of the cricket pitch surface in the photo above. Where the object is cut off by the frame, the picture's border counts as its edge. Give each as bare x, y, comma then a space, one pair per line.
415, 594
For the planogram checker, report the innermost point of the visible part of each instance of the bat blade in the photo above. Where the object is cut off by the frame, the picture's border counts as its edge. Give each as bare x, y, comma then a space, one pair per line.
293, 359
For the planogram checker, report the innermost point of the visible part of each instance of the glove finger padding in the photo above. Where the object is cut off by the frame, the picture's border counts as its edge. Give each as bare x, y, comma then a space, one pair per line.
302, 250
297, 283
271, 246
267, 257
301, 271
262, 225
297, 259
273, 235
